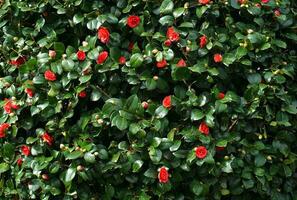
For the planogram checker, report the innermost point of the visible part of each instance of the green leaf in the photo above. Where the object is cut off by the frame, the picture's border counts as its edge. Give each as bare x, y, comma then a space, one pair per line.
136, 60
67, 65
197, 188
196, 115
178, 12
4, 167
166, 7
70, 174
166, 20
280, 43
200, 11
137, 165
228, 59
73, 155
120, 122
161, 112
77, 18
175, 146
115, 53
89, 157
254, 78
95, 95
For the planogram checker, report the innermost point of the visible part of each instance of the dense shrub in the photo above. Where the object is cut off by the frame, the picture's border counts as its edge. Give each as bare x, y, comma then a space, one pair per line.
143, 99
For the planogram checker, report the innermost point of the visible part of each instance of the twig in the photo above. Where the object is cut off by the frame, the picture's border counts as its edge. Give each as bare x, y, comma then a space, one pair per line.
232, 125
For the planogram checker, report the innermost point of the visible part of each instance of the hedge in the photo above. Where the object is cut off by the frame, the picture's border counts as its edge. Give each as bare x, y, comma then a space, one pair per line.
148, 99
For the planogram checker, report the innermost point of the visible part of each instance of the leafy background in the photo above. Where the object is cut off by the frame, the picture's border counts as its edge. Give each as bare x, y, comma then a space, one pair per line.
107, 146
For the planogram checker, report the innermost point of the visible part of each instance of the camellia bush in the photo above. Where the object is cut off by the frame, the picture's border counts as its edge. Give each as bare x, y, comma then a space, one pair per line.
148, 99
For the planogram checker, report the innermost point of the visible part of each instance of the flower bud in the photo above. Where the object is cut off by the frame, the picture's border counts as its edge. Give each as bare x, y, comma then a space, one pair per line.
80, 168
145, 105
100, 121
52, 53
154, 51
45, 177
84, 43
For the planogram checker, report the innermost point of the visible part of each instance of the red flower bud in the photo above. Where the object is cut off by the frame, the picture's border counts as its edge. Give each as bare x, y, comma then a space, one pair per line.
265, 1
19, 162
167, 102
49, 75
203, 128
218, 58
167, 43
181, 63
82, 94
47, 138
29, 92
26, 150
162, 63
122, 60
145, 105
3, 128
81, 55
221, 95
52, 53
102, 57
163, 175
204, 2
203, 41
277, 13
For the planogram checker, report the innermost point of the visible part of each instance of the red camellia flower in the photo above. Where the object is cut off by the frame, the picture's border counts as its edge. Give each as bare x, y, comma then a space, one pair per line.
162, 63
82, 94
218, 58
102, 57
167, 102
167, 43
200, 152
9, 106
133, 21
19, 61
203, 128
29, 92
81, 55
221, 95
163, 175
181, 63
265, 1
204, 2
172, 35
49, 75
103, 35
122, 60
26, 150
203, 41
20, 162
47, 138
3, 128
